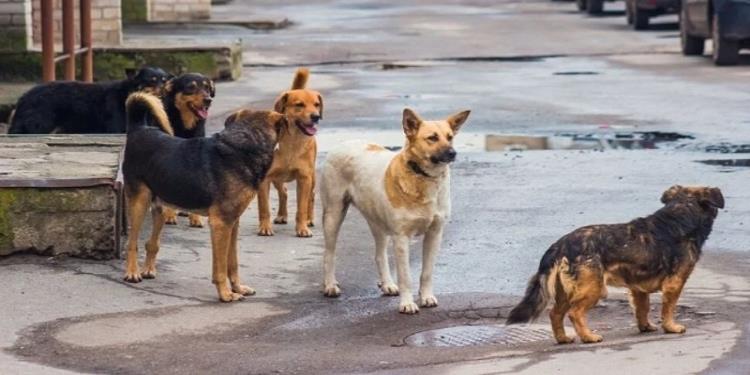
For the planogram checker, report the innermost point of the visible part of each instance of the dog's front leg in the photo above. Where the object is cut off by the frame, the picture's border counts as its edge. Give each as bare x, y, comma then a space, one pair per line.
221, 235
671, 289
233, 265
304, 188
264, 209
407, 305
430, 249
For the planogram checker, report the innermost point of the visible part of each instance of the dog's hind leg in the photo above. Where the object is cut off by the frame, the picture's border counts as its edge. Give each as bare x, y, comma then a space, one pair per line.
386, 284
282, 214
557, 316
406, 305
640, 302
152, 245
587, 291
221, 236
233, 265
430, 249
334, 211
195, 221
138, 203
264, 209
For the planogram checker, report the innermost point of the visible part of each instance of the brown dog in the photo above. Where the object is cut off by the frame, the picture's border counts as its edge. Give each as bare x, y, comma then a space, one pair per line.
294, 159
646, 255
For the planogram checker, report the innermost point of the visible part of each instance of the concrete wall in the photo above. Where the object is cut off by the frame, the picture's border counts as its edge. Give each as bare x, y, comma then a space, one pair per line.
106, 23
15, 25
179, 10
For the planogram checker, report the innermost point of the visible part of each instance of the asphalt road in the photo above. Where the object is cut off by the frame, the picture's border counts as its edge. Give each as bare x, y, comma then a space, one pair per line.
533, 68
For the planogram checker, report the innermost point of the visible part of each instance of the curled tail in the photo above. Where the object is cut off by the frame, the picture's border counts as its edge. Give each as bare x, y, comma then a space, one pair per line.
539, 291
300, 78
143, 109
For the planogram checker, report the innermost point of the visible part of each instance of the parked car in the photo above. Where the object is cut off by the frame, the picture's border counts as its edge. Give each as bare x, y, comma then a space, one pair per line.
639, 12
727, 22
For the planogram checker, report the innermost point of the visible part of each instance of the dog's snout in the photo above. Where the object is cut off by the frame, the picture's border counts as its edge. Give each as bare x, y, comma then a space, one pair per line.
450, 154
207, 101
315, 117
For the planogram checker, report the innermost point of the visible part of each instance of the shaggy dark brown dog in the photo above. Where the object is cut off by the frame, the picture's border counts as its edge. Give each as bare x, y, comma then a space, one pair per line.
646, 255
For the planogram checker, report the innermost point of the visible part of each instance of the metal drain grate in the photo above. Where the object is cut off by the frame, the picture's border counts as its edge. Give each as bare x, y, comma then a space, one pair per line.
479, 335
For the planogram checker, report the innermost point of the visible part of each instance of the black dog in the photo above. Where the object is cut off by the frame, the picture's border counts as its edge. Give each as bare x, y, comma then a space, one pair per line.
646, 255
217, 177
78, 107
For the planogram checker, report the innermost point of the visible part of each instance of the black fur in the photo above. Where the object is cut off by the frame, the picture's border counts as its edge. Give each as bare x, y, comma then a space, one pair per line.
645, 248
78, 107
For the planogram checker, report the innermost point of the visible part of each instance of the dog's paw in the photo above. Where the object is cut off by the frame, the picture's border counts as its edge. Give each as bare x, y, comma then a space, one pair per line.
133, 277
591, 339
332, 291
428, 301
265, 230
170, 220
647, 328
409, 308
243, 289
674, 328
280, 220
304, 232
230, 297
565, 340
389, 289
195, 221
149, 274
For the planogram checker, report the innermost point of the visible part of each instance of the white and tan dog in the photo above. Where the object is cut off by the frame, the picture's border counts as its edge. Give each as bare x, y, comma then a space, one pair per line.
401, 195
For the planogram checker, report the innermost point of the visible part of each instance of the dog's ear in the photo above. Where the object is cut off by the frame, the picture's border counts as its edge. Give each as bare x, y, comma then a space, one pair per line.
130, 73
670, 193
211, 88
713, 197
169, 86
232, 118
411, 122
280, 104
457, 120
320, 111
281, 122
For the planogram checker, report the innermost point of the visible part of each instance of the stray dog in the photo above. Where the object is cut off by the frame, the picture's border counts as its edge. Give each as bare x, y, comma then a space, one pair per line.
294, 160
646, 255
78, 107
187, 99
401, 195
217, 177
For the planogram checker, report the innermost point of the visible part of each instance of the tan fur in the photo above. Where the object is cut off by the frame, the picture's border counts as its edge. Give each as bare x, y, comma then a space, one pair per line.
375, 147
157, 108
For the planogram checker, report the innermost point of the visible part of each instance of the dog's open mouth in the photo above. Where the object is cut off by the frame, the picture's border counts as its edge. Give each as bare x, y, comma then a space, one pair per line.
201, 112
307, 128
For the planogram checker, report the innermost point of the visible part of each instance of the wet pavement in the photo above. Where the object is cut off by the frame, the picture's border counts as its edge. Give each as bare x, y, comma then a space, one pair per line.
644, 118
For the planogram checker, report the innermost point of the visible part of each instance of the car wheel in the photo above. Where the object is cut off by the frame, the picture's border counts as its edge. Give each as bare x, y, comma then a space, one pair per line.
640, 18
629, 12
594, 7
726, 52
691, 45
581, 4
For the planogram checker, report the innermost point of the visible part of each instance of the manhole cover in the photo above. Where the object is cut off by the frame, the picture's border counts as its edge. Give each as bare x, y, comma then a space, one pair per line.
479, 335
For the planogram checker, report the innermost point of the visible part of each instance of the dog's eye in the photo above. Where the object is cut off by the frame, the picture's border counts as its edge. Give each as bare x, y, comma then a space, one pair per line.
300, 105
450, 138
317, 105
433, 138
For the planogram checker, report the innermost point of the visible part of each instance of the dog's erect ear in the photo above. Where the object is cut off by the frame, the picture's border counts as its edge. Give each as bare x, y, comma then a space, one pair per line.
713, 197
670, 193
232, 118
169, 86
411, 122
457, 120
320, 111
280, 104
130, 73
211, 88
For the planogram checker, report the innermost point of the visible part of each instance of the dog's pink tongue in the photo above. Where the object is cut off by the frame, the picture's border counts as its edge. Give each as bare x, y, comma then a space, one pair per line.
310, 130
203, 113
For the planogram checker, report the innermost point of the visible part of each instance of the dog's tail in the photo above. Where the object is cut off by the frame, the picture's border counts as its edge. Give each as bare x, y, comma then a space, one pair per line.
300, 78
142, 107
539, 291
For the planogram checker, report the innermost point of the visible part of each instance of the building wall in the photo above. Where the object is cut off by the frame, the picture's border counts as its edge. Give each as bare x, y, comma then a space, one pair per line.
15, 25
179, 10
106, 22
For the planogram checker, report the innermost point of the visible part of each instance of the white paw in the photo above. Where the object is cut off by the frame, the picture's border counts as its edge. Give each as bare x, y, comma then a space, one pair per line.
408, 308
389, 289
332, 291
428, 301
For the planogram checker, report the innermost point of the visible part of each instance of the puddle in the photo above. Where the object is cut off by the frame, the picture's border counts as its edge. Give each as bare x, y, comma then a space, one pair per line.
574, 73
728, 148
463, 336
582, 141
727, 162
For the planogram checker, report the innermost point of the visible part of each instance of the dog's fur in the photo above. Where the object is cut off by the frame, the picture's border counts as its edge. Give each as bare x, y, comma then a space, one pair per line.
646, 255
401, 195
78, 107
217, 177
187, 99
294, 160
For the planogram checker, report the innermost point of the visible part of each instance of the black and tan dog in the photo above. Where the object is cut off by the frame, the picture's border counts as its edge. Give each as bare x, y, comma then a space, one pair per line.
294, 160
646, 255
78, 107
187, 99
216, 176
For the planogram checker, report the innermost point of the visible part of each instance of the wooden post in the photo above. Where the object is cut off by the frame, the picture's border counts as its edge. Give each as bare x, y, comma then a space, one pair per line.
48, 42
87, 60
69, 39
